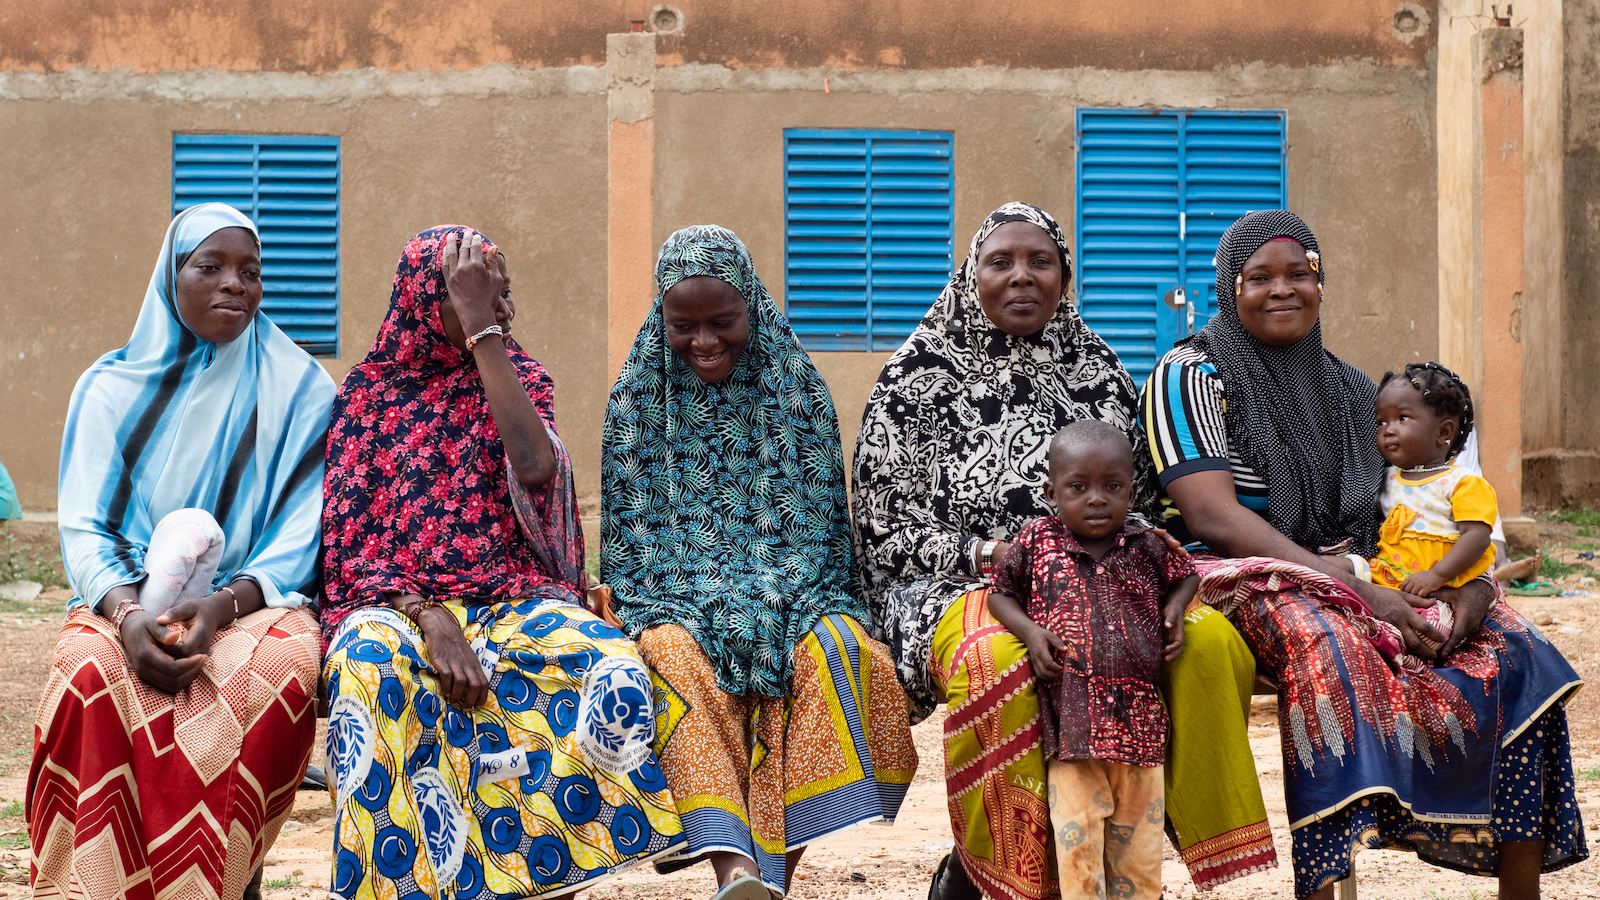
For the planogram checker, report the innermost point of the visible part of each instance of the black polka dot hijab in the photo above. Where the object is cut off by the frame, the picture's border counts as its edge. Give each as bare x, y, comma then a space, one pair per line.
1299, 416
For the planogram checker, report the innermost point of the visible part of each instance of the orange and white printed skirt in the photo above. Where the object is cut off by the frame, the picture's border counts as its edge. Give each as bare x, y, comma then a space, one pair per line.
764, 776
135, 793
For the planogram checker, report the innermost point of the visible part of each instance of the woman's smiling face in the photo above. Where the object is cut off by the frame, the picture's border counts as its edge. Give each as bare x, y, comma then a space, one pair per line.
708, 325
1019, 278
218, 290
1279, 297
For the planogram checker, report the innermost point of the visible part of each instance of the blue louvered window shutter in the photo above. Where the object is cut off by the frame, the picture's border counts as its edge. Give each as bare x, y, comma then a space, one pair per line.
289, 186
868, 226
1156, 189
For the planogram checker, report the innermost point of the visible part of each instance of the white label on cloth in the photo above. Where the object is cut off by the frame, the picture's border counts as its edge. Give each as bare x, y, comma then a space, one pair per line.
502, 766
486, 657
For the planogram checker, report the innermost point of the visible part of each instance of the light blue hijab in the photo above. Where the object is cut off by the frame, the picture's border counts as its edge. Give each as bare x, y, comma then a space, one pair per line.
172, 421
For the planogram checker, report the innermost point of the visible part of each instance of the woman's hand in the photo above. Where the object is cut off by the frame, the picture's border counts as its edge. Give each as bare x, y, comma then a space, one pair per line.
149, 647
474, 282
198, 622
461, 677
1339, 566
1173, 543
1471, 604
1397, 609
479, 293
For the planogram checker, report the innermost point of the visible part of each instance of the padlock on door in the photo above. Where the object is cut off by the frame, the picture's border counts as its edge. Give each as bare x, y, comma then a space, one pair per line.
1174, 317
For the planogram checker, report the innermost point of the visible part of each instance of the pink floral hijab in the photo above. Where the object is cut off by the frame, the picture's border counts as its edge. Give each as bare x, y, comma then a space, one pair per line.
418, 494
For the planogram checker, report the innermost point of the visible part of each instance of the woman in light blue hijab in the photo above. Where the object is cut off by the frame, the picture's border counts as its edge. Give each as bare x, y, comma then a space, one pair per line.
180, 709
9, 507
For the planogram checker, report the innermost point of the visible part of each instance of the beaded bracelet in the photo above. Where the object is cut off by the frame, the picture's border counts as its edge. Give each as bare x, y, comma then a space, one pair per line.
416, 607
987, 562
492, 329
229, 589
121, 612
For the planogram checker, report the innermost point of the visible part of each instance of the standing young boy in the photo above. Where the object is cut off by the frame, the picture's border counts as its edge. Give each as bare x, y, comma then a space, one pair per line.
1104, 606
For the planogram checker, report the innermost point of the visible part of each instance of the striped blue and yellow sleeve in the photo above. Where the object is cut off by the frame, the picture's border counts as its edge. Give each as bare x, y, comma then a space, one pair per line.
1181, 412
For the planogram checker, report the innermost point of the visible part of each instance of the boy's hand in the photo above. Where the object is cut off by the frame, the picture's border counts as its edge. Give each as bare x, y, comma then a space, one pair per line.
1172, 635
1172, 616
1043, 645
1423, 583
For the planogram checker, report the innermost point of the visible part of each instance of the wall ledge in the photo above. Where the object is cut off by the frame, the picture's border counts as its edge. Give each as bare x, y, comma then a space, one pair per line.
1226, 84
345, 88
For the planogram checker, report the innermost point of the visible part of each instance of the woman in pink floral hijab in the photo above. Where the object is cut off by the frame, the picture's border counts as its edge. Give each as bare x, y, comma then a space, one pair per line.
488, 735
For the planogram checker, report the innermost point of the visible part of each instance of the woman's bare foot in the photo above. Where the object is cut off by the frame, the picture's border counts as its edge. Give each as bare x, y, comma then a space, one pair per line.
1524, 569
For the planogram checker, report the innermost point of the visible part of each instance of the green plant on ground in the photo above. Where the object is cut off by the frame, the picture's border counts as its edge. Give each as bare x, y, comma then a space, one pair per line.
591, 567
1584, 545
12, 811
19, 563
13, 841
1591, 773
1588, 532
278, 884
1587, 516
1554, 568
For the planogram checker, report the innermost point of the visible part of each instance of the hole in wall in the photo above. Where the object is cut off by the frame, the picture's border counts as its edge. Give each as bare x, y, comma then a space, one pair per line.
666, 20
1410, 22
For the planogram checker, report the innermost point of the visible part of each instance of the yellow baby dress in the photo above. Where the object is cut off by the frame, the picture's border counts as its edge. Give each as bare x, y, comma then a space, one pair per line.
1419, 526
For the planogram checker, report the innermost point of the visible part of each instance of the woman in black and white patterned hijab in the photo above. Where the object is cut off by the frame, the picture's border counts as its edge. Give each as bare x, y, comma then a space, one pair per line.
949, 465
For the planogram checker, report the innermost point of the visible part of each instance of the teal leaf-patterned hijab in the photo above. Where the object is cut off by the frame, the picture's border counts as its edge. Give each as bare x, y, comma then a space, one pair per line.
724, 504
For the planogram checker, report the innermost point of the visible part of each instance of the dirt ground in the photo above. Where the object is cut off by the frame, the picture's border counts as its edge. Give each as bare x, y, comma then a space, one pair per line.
896, 862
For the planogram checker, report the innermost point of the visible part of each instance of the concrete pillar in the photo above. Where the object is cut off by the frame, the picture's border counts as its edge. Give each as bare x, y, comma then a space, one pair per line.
1453, 130
631, 163
1497, 239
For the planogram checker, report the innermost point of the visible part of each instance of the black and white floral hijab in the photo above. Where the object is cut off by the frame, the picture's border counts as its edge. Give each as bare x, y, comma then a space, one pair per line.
953, 441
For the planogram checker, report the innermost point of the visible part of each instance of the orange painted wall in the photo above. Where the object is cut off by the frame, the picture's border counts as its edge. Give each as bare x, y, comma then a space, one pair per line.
318, 36
1499, 387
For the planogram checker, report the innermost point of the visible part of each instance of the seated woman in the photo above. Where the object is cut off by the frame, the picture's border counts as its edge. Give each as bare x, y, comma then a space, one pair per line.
949, 466
487, 735
1266, 446
727, 543
179, 713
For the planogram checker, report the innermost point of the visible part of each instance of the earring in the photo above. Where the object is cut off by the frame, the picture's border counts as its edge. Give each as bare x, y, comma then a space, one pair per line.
1238, 284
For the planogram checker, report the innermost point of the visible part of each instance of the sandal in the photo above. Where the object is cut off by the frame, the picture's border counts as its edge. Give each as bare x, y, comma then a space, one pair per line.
744, 887
1533, 589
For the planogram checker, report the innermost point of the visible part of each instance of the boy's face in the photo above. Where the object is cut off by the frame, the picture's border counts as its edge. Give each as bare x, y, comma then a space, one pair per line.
1090, 487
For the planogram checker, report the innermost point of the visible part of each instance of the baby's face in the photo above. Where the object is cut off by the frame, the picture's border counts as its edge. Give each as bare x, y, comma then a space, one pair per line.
1091, 487
1410, 433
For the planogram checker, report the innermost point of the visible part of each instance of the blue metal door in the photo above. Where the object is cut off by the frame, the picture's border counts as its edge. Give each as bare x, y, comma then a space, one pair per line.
1156, 189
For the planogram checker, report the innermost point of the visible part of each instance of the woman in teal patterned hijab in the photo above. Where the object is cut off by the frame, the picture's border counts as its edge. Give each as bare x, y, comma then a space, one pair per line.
725, 539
